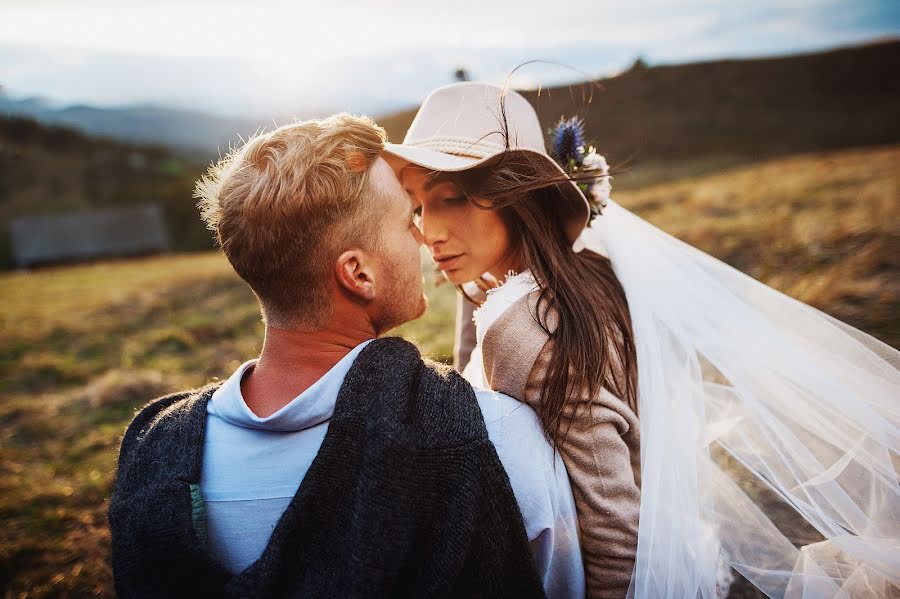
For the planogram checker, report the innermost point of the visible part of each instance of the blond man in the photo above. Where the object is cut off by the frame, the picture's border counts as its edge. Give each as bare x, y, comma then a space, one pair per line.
337, 463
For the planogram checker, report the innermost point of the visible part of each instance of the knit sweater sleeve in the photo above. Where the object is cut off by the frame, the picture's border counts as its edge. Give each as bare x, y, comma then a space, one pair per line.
149, 509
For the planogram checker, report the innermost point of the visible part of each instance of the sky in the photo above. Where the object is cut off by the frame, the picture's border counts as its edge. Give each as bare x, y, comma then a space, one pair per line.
271, 57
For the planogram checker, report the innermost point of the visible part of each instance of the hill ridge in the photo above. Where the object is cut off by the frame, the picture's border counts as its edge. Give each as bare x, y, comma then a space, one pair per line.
752, 108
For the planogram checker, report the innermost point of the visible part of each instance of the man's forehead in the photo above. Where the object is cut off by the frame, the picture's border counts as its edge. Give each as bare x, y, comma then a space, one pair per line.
395, 162
382, 173
384, 180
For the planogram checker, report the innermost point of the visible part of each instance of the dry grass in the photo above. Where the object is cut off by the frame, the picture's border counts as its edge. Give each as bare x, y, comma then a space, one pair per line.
822, 228
83, 346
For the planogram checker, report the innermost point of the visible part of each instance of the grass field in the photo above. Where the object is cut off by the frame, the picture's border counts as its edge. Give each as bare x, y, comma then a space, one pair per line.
83, 346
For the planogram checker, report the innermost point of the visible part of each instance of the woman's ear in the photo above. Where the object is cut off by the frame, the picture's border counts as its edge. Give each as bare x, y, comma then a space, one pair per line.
354, 274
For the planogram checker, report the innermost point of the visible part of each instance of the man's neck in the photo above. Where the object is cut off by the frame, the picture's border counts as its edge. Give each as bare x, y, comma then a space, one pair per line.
291, 361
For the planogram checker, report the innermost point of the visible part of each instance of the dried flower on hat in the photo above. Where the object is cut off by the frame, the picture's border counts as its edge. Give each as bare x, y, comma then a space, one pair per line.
568, 149
568, 142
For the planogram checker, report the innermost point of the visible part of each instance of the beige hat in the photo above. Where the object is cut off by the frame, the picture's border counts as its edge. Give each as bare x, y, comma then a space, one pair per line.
458, 128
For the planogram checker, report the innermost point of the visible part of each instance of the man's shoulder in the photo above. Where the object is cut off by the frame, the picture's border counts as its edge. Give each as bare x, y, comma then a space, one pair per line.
160, 444
500, 409
518, 435
536, 473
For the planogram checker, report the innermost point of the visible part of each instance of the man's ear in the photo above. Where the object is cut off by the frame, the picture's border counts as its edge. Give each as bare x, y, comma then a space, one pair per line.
354, 273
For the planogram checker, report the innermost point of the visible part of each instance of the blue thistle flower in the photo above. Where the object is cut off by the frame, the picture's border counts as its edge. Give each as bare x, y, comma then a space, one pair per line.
568, 141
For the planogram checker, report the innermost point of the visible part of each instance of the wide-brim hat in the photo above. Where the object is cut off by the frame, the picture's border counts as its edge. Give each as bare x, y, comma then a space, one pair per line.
459, 127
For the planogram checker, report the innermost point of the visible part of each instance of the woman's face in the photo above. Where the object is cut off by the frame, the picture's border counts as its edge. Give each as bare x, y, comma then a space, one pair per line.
465, 241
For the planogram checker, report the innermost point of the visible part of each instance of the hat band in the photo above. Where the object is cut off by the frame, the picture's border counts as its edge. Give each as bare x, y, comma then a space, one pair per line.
459, 146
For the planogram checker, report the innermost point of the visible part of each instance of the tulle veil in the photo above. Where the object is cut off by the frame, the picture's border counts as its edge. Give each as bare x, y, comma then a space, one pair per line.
739, 383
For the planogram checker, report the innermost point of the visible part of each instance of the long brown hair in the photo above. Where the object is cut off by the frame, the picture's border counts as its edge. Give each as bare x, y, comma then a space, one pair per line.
579, 292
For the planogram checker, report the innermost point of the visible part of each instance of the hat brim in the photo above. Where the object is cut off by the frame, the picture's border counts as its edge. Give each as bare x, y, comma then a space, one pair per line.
577, 210
435, 160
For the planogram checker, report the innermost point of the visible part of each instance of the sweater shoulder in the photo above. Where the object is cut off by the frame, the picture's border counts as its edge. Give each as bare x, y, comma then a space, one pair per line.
521, 332
453, 408
513, 343
158, 413
448, 414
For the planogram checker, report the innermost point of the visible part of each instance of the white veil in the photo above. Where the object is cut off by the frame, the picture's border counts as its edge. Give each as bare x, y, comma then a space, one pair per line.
731, 371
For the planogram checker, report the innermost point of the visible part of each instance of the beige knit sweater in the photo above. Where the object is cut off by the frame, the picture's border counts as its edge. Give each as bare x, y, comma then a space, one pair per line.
601, 452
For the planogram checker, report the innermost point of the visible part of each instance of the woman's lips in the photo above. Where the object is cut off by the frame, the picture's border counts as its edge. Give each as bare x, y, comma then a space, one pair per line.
446, 263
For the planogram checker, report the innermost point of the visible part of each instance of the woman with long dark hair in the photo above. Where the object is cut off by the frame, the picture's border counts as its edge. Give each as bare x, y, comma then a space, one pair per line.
644, 357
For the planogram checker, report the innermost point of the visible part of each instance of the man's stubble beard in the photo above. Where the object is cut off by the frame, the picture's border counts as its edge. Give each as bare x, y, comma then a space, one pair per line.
400, 306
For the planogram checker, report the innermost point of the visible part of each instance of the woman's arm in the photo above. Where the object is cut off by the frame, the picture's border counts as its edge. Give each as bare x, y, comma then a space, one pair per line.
601, 453
464, 341
601, 450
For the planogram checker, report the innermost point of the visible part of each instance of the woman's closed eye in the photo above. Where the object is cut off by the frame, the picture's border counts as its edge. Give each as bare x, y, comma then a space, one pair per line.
455, 200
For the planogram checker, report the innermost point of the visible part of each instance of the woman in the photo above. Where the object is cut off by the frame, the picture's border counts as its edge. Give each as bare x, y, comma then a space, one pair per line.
582, 303
596, 325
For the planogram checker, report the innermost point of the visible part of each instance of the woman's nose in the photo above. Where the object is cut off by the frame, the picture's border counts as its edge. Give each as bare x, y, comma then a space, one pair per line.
434, 230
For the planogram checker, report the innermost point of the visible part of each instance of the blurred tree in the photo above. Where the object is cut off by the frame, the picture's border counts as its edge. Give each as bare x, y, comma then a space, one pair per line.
639, 64
461, 74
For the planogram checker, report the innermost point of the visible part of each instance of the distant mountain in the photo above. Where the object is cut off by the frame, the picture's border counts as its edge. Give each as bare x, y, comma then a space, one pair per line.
196, 133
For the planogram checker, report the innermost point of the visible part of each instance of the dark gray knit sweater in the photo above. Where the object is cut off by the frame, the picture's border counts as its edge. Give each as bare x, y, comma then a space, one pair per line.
405, 498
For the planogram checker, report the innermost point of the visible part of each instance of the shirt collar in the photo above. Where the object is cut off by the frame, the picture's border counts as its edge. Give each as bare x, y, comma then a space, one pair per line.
314, 406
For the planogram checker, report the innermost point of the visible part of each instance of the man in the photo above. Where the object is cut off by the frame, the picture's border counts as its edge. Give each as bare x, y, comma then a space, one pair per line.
337, 464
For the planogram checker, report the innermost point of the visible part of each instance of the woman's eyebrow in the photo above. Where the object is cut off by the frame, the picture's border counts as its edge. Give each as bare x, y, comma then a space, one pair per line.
436, 179
431, 181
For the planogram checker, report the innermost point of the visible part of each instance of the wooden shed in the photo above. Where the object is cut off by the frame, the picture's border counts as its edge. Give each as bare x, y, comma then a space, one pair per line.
110, 233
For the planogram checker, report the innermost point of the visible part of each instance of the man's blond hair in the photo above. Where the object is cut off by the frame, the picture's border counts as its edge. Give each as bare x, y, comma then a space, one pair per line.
286, 203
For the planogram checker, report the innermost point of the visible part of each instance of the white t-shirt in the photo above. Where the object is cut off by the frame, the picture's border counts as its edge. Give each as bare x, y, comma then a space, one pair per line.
253, 466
